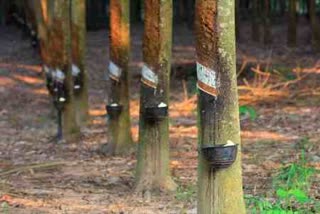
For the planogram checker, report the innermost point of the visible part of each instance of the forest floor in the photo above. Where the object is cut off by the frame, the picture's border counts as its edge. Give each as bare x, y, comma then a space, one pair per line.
38, 176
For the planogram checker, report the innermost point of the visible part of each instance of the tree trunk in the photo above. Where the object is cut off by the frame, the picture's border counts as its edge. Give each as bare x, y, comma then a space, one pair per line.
43, 18
120, 140
60, 57
219, 190
255, 27
41, 14
78, 32
292, 24
267, 23
153, 171
314, 25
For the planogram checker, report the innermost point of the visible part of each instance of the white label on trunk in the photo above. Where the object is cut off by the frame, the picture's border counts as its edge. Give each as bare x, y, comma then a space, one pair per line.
114, 71
75, 70
149, 78
60, 75
207, 80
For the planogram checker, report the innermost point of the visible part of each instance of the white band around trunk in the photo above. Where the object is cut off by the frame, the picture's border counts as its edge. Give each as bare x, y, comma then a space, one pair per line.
149, 78
207, 79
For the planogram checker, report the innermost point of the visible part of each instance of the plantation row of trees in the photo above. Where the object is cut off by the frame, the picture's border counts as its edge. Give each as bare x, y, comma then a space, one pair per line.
61, 31
218, 101
263, 15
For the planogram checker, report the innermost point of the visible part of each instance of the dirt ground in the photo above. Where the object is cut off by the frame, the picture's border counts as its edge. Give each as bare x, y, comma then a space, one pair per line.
38, 176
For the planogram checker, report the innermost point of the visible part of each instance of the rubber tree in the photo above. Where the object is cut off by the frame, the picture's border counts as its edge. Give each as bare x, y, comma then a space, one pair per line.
119, 133
60, 59
219, 191
40, 9
315, 26
153, 171
79, 73
292, 24
43, 19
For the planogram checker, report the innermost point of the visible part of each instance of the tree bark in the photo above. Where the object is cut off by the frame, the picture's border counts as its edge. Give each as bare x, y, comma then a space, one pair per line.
120, 140
314, 25
41, 14
153, 171
219, 191
60, 57
43, 18
292, 24
78, 33
255, 27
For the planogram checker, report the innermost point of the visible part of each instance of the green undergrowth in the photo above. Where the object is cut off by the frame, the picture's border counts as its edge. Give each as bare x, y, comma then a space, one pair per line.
4, 207
248, 111
186, 193
290, 193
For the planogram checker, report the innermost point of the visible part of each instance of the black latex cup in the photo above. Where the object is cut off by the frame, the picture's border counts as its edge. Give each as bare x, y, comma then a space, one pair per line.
220, 156
77, 83
155, 113
114, 111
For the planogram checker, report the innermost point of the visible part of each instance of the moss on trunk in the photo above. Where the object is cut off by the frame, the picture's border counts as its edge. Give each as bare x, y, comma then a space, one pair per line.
218, 191
120, 140
78, 32
153, 171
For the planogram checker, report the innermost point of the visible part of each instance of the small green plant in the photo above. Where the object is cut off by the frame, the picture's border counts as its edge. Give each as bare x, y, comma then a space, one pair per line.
295, 176
185, 193
248, 111
259, 205
291, 185
5, 207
